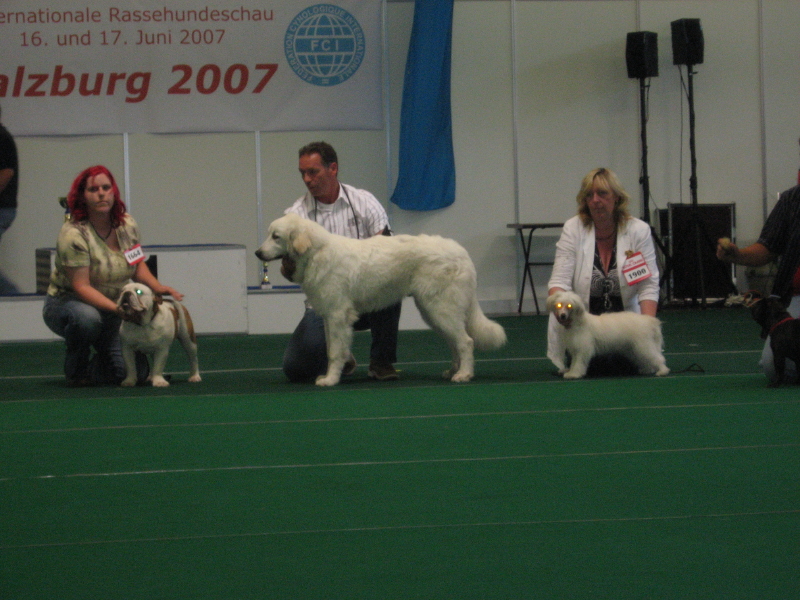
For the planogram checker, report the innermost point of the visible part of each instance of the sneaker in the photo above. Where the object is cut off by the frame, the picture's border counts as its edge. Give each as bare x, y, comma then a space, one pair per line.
382, 371
350, 366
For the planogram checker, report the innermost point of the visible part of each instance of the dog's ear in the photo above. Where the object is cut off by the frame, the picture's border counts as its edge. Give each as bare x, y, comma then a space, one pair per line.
551, 301
760, 312
301, 242
157, 299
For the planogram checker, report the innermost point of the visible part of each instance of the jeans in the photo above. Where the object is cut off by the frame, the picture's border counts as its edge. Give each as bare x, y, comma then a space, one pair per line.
83, 327
306, 356
767, 361
7, 216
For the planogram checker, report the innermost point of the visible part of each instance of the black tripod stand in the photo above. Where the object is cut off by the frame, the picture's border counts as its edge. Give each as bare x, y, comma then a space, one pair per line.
644, 180
696, 225
687, 49
703, 245
641, 57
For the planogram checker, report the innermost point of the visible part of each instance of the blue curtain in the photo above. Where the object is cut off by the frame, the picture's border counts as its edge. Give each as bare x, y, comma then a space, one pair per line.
427, 173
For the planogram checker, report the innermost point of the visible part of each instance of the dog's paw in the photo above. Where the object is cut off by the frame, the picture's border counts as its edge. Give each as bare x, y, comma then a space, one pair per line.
159, 381
195, 378
662, 371
128, 382
572, 375
326, 380
461, 377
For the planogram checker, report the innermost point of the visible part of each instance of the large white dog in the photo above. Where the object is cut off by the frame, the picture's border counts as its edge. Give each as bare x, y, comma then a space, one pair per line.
638, 337
150, 326
344, 278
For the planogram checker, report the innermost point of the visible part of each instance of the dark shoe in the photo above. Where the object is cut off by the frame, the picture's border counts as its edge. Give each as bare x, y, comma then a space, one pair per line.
382, 371
350, 366
80, 382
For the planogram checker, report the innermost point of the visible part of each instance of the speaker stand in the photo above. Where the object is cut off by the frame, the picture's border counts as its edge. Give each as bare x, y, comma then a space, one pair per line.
700, 287
644, 180
698, 229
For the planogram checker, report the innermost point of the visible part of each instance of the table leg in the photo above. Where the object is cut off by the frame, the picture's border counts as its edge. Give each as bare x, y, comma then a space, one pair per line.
526, 271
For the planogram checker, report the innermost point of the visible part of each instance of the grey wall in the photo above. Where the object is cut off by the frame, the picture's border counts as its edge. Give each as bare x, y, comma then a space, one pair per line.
540, 96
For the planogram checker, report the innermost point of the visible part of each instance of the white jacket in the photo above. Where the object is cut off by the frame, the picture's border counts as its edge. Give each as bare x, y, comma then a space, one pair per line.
574, 261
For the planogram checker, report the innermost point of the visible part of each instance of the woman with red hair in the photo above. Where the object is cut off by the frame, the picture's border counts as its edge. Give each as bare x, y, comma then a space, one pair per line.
98, 252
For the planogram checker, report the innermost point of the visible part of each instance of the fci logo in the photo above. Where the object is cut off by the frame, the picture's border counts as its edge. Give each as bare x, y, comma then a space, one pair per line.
324, 45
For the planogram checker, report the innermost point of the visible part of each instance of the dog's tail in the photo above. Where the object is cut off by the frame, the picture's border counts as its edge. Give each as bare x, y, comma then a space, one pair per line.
487, 334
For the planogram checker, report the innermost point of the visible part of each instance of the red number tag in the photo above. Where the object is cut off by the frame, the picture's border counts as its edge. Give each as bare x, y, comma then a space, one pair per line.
135, 255
635, 269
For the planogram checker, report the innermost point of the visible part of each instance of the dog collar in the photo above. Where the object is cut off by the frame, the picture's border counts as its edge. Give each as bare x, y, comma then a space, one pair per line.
781, 322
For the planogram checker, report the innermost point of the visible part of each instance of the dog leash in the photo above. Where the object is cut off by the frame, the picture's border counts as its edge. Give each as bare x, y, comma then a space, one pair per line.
692, 368
779, 323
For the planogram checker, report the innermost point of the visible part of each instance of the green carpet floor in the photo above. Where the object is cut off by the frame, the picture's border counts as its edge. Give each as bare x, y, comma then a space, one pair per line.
516, 485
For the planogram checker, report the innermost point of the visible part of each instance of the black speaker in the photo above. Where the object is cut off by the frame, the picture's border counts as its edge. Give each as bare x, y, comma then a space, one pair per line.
687, 42
641, 54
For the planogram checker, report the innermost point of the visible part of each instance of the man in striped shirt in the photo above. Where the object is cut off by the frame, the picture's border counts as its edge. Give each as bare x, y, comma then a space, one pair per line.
351, 212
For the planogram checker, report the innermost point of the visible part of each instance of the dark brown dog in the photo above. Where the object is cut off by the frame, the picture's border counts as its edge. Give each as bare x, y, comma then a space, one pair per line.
783, 331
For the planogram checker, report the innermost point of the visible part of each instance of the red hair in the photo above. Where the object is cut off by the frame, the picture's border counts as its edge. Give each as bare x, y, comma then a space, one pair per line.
76, 200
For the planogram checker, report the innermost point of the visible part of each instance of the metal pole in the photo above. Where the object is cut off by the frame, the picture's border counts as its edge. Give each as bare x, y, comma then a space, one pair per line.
645, 179
693, 189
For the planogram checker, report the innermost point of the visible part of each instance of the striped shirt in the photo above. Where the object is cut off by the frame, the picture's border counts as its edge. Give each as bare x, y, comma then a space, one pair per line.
355, 214
781, 235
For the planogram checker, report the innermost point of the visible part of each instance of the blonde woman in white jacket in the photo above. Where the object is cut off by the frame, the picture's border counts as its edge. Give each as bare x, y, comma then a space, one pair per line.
594, 256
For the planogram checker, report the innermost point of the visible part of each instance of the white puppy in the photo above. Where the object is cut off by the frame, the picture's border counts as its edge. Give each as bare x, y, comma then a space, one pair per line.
638, 337
150, 326
344, 278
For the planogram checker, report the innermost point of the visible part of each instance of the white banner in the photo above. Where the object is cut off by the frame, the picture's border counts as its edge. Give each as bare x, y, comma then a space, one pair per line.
112, 66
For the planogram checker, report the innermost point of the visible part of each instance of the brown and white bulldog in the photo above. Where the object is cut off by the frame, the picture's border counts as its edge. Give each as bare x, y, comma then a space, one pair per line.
150, 324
